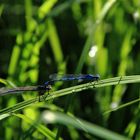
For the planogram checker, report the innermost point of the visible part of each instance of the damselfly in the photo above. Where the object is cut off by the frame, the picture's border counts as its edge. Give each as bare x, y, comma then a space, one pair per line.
72, 77
47, 86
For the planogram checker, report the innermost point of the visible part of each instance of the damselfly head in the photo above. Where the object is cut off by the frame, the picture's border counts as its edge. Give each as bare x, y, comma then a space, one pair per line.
44, 87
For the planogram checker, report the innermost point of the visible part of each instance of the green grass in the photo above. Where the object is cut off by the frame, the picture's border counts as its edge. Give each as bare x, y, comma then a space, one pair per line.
39, 38
67, 120
57, 117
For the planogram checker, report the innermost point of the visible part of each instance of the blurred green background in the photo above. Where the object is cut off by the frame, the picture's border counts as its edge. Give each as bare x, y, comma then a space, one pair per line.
38, 38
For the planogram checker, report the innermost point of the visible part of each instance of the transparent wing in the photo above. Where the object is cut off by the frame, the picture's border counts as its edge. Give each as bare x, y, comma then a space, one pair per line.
67, 77
64, 77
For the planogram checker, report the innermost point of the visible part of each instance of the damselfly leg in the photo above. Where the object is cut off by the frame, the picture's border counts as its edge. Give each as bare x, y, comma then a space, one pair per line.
42, 90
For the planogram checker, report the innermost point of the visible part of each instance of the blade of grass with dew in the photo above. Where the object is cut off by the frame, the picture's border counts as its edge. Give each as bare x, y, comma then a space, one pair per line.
75, 89
57, 117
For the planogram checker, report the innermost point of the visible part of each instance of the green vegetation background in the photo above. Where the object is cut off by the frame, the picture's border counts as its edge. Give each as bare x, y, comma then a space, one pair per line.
38, 38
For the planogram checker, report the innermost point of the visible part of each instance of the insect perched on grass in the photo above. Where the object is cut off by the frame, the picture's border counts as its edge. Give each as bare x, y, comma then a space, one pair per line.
47, 86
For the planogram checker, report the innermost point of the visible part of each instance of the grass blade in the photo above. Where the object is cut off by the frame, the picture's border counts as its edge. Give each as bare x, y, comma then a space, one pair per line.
57, 117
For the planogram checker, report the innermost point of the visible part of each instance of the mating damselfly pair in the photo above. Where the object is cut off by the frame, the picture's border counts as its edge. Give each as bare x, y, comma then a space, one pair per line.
47, 86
